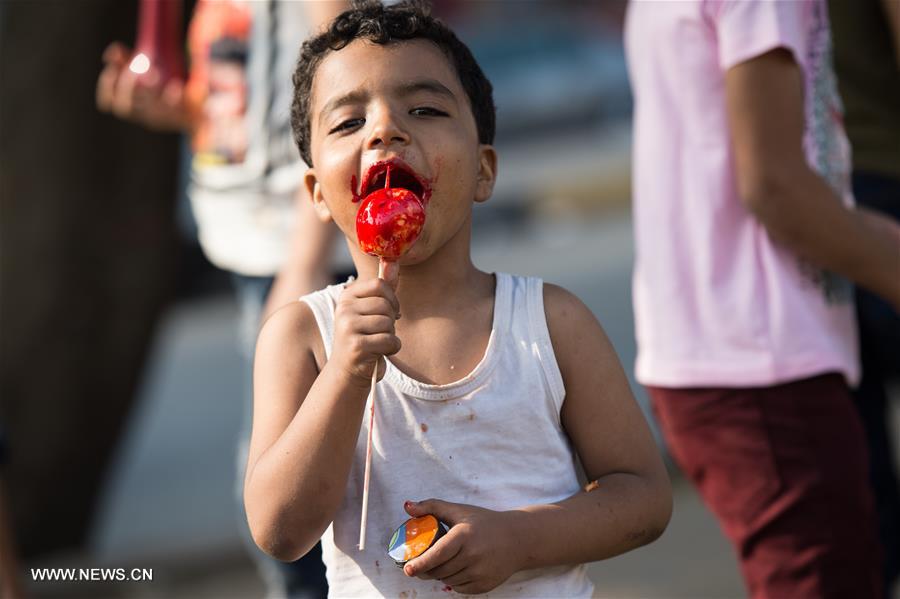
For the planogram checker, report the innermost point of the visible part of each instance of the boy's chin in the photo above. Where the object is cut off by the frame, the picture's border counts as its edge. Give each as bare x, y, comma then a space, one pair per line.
415, 256
420, 251
411, 258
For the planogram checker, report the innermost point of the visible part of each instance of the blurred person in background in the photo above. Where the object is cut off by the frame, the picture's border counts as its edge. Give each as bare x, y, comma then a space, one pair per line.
746, 246
867, 62
254, 220
88, 262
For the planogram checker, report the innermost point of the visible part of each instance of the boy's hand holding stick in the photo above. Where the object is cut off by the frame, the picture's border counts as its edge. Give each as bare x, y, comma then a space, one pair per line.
387, 224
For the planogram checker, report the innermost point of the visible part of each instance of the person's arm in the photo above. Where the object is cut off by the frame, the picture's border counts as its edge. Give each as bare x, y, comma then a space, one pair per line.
160, 107
892, 14
629, 504
306, 423
796, 206
632, 503
307, 267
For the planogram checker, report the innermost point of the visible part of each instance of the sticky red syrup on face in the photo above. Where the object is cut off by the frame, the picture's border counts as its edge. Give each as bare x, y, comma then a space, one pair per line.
353, 188
426, 193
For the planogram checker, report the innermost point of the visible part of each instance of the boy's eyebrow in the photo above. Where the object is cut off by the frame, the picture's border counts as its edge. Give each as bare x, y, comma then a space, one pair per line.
405, 89
354, 97
426, 85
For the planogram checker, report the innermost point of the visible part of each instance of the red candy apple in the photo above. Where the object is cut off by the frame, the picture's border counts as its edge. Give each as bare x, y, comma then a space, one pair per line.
388, 222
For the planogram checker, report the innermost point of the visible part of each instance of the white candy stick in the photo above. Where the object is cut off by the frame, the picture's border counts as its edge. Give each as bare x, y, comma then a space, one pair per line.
372, 396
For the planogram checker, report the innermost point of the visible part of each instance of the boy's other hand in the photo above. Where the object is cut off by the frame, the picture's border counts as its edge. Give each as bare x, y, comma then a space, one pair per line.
364, 329
478, 553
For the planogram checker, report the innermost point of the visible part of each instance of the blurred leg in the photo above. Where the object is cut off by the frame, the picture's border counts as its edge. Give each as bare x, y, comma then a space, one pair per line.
784, 470
871, 402
879, 338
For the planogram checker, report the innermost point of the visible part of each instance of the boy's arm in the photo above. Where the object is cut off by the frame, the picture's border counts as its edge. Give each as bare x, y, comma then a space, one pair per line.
796, 206
632, 501
629, 507
306, 423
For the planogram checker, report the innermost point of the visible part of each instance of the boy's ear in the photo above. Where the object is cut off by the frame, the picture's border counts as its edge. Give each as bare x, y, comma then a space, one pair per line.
314, 190
487, 172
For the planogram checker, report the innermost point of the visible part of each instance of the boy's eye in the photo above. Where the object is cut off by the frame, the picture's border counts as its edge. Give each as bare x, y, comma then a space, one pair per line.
347, 125
427, 111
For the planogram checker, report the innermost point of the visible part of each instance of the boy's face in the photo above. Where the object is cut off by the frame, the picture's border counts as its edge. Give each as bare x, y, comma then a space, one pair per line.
371, 103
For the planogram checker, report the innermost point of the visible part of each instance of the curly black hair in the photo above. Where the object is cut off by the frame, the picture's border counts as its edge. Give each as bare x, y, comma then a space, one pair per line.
372, 21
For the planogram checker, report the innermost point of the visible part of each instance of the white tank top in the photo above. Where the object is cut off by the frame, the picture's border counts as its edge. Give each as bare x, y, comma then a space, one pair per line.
491, 439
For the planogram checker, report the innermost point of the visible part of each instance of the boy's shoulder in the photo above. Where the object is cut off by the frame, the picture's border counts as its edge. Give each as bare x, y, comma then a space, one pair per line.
571, 324
293, 332
563, 308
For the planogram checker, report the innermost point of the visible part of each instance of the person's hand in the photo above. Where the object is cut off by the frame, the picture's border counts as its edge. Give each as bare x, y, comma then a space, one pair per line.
364, 329
140, 99
886, 226
475, 556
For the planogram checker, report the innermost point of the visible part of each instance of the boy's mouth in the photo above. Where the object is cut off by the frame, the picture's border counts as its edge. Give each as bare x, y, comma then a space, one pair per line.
401, 176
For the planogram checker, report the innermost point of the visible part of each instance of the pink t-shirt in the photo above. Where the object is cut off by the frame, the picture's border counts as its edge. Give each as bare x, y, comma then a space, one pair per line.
716, 302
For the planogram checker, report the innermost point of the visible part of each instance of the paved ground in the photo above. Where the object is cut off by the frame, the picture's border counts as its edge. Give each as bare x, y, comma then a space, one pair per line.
170, 502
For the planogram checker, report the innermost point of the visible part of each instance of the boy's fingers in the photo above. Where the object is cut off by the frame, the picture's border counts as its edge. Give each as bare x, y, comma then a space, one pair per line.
376, 288
374, 324
445, 511
445, 549
374, 305
454, 568
458, 579
382, 344
388, 293
466, 588
365, 287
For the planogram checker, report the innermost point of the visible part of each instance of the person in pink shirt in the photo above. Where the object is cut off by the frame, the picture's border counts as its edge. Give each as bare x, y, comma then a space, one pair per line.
747, 244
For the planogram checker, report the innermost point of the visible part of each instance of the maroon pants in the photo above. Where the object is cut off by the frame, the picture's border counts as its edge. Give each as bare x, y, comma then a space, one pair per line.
784, 469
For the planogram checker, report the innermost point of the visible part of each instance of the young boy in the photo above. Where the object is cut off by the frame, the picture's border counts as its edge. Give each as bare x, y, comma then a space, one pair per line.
496, 447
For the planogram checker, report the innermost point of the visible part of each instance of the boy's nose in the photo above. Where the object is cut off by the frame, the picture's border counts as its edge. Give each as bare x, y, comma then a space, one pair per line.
386, 132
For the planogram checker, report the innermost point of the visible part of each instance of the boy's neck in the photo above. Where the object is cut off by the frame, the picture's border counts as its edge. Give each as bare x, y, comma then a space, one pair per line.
443, 280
